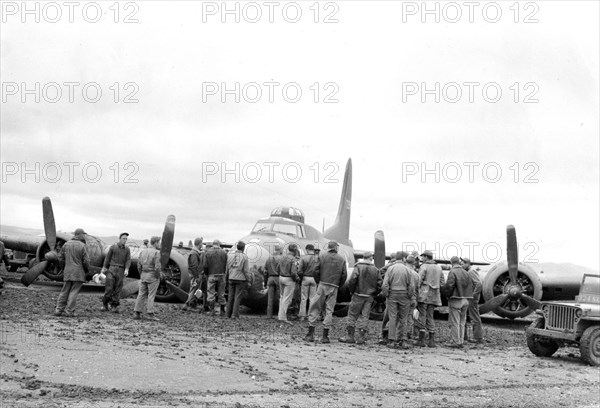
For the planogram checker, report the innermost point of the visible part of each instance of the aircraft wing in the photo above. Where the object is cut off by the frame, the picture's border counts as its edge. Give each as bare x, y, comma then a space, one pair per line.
23, 243
360, 254
447, 262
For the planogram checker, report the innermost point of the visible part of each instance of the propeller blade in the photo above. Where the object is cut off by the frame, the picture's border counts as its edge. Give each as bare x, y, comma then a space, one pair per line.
531, 302
512, 253
379, 249
493, 303
181, 294
131, 288
49, 225
32, 274
167, 241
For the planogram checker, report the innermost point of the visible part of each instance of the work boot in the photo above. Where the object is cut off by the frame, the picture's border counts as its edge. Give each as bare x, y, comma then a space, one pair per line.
222, 310
211, 308
349, 338
325, 338
137, 316
151, 316
310, 336
401, 345
421, 341
431, 342
58, 313
384, 337
104, 307
361, 338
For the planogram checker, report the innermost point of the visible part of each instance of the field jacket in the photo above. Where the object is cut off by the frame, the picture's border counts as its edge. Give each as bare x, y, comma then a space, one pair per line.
215, 261
237, 267
309, 264
460, 285
288, 267
365, 279
333, 270
74, 257
398, 278
431, 280
195, 263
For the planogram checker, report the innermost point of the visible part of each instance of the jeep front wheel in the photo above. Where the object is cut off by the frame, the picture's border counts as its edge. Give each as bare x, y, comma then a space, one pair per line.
590, 345
540, 346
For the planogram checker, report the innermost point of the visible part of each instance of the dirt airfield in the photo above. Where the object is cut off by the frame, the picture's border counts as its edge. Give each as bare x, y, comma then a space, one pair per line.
109, 360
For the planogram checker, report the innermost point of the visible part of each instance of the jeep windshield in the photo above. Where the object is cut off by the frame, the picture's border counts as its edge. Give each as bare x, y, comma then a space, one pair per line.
590, 289
590, 285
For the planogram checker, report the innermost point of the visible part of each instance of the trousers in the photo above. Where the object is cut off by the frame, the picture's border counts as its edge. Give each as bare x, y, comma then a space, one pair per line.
359, 311
68, 296
325, 297
148, 286
309, 290
286, 293
113, 285
457, 317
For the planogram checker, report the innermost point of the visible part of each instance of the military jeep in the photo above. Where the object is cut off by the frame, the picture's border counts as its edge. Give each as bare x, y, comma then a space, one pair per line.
575, 322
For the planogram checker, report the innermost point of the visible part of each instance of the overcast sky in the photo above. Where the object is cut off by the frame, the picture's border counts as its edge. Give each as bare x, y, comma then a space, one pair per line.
372, 65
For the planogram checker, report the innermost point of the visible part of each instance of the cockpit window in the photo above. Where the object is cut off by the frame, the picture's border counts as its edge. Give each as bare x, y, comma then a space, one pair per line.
285, 228
262, 227
300, 232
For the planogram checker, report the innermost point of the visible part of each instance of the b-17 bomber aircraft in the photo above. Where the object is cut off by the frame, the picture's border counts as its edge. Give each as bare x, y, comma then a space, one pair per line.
510, 289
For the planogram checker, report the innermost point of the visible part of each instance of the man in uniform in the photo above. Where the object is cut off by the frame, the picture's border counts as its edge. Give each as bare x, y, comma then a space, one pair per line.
195, 268
288, 275
309, 265
239, 277
430, 282
117, 261
150, 276
214, 266
364, 283
473, 310
329, 278
394, 257
399, 288
459, 289
74, 260
272, 278
145, 245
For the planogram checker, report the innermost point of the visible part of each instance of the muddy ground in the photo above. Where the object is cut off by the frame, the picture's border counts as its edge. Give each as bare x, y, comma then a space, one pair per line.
188, 359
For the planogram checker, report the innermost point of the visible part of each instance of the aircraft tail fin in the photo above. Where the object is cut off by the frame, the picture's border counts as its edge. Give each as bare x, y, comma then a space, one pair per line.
340, 230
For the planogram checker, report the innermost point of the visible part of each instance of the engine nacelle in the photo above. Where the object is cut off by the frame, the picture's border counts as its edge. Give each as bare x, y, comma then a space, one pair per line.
496, 283
177, 273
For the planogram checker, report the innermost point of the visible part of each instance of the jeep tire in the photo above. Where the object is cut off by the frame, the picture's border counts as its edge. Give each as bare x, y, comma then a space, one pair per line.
590, 345
540, 346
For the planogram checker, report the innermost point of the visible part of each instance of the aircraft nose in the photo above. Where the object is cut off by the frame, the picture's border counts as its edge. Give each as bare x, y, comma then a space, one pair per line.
257, 254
